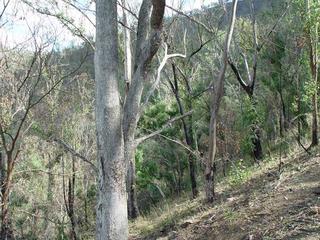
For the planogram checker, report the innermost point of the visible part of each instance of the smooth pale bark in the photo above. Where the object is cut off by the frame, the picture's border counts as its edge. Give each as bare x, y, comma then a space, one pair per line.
133, 210
127, 47
116, 139
111, 211
215, 105
147, 45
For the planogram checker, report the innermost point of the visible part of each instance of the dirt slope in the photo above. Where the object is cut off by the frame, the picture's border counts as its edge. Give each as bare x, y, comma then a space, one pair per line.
264, 207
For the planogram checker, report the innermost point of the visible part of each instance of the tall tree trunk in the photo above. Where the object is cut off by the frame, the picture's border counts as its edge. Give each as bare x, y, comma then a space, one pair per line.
147, 45
283, 121
313, 38
2, 171
70, 203
215, 105
5, 228
249, 89
256, 141
299, 125
188, 131
130, 148
315, 140
133, 210
111, 211
314, 70
256, 133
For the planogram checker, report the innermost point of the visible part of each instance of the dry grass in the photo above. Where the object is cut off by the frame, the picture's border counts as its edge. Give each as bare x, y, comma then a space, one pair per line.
262, 205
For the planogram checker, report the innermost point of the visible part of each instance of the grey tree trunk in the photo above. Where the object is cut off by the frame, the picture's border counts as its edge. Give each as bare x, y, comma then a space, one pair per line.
6, 188
133, 210
116, 130
111, 210
314, 71
313, 39
216, 100
147, 45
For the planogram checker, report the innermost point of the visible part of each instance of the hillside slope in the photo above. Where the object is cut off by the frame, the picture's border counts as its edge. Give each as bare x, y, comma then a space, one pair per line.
265, 206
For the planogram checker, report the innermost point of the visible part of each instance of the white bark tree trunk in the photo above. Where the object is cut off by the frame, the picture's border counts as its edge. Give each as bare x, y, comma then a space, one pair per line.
216, 99
127, 47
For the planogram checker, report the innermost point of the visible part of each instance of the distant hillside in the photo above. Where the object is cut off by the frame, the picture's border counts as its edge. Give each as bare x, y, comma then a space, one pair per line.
213, 16
244, 8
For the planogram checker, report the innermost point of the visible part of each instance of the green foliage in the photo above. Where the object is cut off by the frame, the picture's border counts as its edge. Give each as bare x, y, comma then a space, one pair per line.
162, 172
310, 88
230, 215
36, 161
251, 116
18, 200
146, 170
157, 115
239, 173
61, 235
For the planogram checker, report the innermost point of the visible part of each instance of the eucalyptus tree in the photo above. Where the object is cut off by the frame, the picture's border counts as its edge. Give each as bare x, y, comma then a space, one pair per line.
312, 35
115, 124
250, 85
215, 105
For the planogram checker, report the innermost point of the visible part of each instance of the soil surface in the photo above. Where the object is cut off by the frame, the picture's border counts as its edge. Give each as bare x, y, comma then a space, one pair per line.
270, 205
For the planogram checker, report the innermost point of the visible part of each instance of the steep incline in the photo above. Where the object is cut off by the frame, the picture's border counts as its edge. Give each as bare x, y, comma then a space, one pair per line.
265, 207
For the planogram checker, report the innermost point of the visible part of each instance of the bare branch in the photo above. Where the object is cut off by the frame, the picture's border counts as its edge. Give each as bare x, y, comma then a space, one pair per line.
236, 71
186, 147
164, 127
68, 23
273, 28
191, 19
68, 148
160, 68
247, 68
124, 7
5, 5
80, 11
59, 81
35, 56
199, 48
